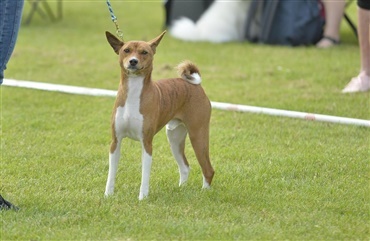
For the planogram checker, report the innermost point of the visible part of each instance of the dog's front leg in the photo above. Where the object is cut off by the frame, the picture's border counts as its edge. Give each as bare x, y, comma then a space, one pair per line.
146, 159
113, 166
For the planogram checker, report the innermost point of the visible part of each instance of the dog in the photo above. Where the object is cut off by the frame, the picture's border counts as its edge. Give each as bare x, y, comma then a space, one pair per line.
223, 21
143, 107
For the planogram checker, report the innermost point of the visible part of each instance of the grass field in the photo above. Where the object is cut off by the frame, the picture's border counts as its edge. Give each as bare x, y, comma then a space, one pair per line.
276, 178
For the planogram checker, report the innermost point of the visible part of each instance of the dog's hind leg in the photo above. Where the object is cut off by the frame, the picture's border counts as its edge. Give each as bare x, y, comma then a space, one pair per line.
114, 156
199, 138
176, 134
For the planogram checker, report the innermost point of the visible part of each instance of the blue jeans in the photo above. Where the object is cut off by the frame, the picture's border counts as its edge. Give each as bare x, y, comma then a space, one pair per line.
10, 20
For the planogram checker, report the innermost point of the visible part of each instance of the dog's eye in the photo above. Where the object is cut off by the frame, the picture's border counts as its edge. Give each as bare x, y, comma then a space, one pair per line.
144, 52
126, 50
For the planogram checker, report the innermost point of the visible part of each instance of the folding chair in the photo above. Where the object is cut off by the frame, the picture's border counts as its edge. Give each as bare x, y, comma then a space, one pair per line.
349, 21
44, 10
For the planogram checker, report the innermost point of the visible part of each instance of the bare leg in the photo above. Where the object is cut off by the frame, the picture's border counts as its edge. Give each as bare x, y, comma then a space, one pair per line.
334, 13
362, 81
363, 38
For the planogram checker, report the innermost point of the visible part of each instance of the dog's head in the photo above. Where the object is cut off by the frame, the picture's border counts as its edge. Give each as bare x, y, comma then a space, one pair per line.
135, 57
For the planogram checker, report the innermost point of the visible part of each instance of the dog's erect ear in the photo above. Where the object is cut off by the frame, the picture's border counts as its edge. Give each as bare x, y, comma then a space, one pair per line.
155, 42
114, 42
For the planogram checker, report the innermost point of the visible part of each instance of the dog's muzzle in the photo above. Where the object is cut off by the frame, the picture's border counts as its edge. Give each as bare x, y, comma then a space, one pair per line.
133, 64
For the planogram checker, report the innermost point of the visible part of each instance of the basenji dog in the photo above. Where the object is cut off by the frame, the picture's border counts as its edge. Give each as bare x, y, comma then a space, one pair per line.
143, 107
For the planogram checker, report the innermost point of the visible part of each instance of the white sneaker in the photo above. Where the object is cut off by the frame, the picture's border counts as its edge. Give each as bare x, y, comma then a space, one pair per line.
361, 83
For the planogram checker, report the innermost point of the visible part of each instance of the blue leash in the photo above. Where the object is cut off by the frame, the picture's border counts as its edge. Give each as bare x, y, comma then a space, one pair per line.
114, 20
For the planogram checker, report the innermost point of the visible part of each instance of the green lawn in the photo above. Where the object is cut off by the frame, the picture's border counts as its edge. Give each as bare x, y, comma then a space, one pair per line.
276, 178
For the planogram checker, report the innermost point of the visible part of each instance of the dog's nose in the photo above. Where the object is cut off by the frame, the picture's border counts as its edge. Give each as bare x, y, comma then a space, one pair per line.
133, 62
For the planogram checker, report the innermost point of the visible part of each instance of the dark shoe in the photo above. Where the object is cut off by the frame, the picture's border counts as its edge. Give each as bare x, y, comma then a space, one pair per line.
327, 42
5, 205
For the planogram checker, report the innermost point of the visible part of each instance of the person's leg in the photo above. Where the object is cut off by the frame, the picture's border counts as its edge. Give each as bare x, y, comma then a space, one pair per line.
362, 81
334, 10
364, 39
10, 19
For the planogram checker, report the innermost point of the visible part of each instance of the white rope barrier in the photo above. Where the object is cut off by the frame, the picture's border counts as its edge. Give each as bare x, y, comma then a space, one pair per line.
216, 105
291, 114
59, 88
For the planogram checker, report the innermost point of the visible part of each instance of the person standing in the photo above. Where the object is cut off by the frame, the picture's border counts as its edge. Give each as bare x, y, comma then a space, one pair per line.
10, 20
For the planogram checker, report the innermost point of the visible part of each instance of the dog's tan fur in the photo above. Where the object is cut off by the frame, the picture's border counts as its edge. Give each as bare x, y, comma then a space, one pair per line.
165, 100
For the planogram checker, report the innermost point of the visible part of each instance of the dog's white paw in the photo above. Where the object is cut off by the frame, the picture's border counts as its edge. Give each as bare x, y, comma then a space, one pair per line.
205, 184
142, 196
184, 174
108, 192
182, 182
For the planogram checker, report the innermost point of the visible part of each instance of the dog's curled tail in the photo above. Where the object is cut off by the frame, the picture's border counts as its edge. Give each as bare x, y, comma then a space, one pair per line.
189, 72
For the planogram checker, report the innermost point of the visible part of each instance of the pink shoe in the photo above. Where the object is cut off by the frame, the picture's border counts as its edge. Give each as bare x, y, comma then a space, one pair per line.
361, 83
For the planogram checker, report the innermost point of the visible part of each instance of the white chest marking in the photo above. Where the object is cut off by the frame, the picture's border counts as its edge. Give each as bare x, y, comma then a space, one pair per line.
129, 120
